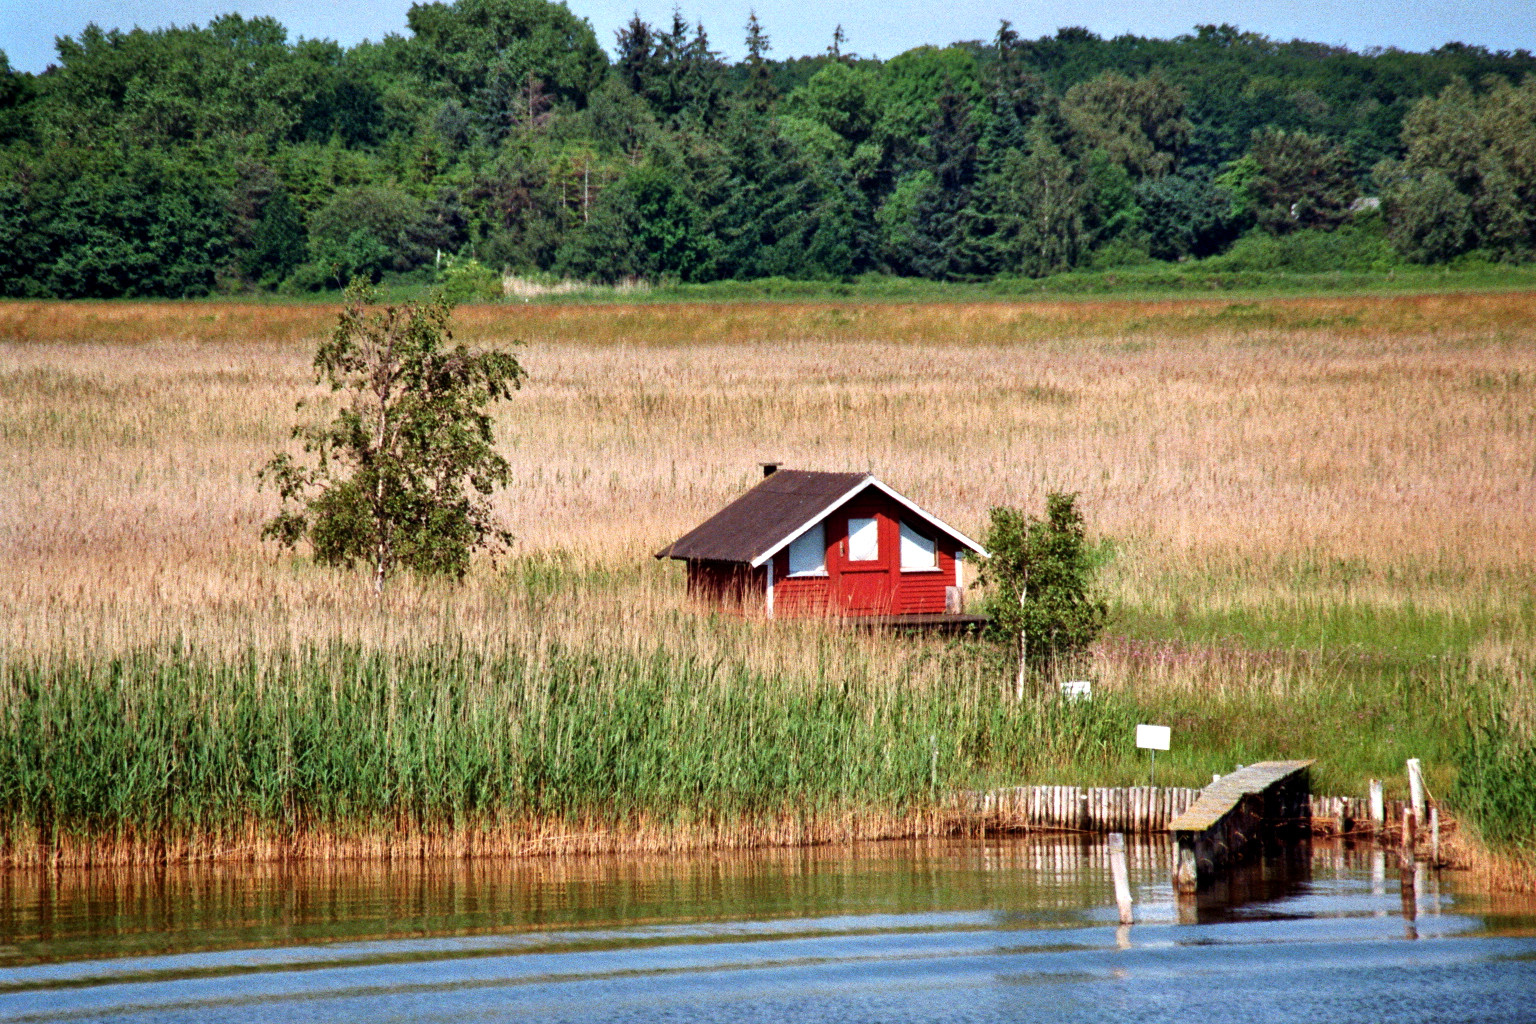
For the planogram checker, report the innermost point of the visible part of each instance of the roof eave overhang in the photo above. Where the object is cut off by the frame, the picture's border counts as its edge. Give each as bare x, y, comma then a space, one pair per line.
866, 481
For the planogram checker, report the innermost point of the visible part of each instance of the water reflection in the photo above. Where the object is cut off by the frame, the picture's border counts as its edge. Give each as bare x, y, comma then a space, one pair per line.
1260, 886
1033, 880
46, 915
1011, 928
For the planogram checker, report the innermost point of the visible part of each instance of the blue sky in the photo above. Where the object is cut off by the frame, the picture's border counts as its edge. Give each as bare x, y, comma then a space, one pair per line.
884, 28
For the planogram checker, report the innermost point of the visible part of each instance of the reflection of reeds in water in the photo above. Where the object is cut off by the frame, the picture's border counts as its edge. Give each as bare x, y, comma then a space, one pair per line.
558, 900
138, 910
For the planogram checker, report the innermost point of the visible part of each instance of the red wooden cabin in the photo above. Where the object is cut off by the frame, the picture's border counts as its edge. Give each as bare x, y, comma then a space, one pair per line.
807, 543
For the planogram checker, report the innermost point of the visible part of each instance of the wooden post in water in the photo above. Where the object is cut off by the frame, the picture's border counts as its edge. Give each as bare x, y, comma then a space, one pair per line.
1122, 877
1405, 850
1434, 836
1378, 809
1416, 789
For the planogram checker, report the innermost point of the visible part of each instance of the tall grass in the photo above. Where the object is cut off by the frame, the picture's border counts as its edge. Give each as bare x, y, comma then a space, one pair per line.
1242, 468
166, 750
343, 750
1496, 758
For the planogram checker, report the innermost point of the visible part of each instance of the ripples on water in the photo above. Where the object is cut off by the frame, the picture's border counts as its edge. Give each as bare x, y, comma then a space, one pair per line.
962, 930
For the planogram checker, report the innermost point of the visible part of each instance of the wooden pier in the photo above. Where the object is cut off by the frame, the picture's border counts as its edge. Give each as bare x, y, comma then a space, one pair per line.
1268, 799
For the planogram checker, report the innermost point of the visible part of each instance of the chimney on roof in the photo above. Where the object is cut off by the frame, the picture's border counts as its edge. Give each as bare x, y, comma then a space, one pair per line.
769, 468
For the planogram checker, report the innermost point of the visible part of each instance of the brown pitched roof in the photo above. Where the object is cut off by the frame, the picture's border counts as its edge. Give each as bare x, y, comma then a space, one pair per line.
770, 514
765, 515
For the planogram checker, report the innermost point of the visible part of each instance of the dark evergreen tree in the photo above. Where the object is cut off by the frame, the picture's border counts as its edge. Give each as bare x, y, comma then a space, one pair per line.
675, 71
941, 243
1187, 215
1301, 180
788, 211
1014, 95
760, 92
638, 62
17, 93
1033, 204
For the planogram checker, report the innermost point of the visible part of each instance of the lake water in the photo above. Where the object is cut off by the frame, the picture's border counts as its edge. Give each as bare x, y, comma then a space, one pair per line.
1013, 929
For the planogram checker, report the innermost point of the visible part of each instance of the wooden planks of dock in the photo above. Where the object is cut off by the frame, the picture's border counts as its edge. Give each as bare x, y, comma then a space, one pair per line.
1236, 812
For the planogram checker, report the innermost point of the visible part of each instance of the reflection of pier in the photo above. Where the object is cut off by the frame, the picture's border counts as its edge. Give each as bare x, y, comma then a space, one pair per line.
1257, 888
1270, 877
1268, 800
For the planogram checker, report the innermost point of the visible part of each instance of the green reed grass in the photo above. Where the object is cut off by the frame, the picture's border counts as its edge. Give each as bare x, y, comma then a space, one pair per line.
344, 740
170, 742
1496, 761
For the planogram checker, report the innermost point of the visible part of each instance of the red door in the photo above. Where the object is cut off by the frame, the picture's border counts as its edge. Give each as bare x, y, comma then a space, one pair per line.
861, 561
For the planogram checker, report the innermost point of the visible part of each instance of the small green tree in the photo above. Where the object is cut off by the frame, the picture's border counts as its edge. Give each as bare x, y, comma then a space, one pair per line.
1042, 598
403, 473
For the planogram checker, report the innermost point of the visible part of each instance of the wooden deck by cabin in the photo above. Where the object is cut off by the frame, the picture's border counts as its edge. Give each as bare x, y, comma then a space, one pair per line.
939, 622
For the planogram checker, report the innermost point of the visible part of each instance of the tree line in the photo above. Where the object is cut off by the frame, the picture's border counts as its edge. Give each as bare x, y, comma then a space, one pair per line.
500, 135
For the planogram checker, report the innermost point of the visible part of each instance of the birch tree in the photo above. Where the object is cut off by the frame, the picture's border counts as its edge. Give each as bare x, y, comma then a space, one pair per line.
1042, 600
401, 477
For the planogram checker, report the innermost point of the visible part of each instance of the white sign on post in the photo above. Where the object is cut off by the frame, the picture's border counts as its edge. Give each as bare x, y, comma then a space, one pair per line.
1153, 737
1077, 689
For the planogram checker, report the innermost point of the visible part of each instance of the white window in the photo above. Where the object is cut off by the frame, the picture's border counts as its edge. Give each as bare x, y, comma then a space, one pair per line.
863, 540
917, 551
808, 552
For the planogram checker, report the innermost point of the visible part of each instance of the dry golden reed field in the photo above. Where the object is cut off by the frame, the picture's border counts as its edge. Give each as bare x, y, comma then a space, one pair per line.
1295, 479
1378, 452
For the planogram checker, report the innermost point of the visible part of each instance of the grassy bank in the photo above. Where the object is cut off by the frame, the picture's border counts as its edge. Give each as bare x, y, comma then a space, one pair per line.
1314, 517
335, 751
749, 315
167, 753
1229, 278
1232, 279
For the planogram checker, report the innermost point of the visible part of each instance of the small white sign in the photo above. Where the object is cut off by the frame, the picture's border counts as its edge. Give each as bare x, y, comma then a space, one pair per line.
1077, 689
1153, 737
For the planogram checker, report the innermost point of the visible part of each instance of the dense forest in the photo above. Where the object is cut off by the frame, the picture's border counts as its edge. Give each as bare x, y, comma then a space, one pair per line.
499, 135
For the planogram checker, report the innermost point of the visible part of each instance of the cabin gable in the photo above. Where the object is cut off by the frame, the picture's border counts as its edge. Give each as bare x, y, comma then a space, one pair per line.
867, 552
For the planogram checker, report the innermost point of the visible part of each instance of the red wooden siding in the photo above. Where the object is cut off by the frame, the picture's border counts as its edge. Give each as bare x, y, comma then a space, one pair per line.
876, 587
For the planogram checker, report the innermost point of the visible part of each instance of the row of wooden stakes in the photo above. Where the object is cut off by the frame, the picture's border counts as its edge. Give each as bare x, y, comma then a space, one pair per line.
1080, 808
1151, 808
